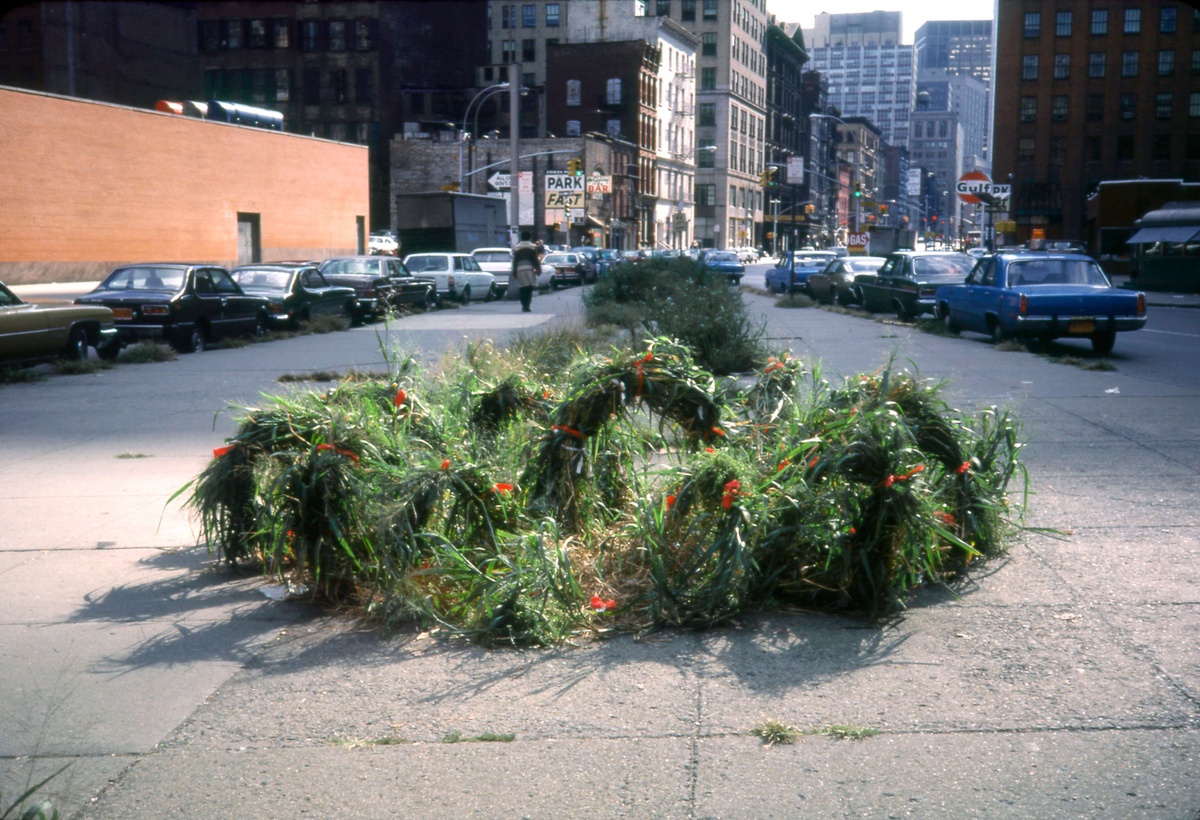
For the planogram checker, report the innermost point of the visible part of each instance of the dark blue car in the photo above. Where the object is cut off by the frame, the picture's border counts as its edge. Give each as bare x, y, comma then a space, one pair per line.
725, 262
790, 274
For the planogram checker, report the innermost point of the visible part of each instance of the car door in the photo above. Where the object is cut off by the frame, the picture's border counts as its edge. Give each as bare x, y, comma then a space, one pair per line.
874, 288
235, 311
313, 290
971, 308
24, 330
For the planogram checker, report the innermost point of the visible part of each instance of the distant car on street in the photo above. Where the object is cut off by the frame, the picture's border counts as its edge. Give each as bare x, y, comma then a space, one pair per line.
907, 281
497, 262
724, 262
835, 282
383, 243
31, 333
456, 275
296, 292
185, 305
569, 268
791, 272
380, 283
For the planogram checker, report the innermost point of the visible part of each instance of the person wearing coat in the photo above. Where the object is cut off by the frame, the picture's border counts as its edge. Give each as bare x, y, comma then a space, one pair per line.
525, 264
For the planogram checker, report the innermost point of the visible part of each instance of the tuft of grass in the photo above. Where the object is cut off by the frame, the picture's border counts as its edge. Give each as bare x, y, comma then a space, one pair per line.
75, 367
847, 731
1012, 346
21, 375
134, 455
324, 324
147, 352
332, 376
367, 742
795, 300
1103, 365
774, 731
486, 737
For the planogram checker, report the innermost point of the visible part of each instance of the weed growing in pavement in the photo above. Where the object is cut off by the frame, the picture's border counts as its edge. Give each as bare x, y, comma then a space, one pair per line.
133, 455
846, 731
773, 731
363, 743
486, 737
79, 367
795, 300
528, 495
330, 376
146, 352
22, 375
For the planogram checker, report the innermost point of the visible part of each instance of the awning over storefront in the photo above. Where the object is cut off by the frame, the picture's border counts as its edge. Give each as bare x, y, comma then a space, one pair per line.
1164, 233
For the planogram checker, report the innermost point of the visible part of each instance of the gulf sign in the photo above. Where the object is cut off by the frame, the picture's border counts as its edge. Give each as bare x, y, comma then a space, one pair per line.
971, 183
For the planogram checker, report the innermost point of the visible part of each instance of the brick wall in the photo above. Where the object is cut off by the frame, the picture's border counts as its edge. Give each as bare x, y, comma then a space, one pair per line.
87, 186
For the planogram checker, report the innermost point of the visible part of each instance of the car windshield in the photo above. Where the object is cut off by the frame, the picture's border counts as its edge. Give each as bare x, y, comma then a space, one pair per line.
957, 265
421, 264
355, 266
144, 277
863, 265
1055, 272
493, 256
262, 279
559, 259
721, 256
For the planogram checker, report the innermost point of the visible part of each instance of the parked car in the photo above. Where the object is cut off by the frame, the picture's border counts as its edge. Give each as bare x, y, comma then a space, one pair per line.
724, 262
907, 281
456, 275
1044, 296
31, 333
379, 283
569, 268
748, 255
593, 265
497, 262
610, 257
383, 243
186, 305
835, 282
296, 292
791, 272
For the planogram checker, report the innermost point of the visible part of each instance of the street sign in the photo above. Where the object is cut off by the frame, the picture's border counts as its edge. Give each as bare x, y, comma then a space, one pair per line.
1001, 191
597, 184
795, 170
500, 181
564, 199
971, 183
857, 244
562, 181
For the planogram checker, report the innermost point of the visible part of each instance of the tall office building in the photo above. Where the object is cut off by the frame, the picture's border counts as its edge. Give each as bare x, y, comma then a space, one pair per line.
869, 71
1090, 91
958, 46
946, 51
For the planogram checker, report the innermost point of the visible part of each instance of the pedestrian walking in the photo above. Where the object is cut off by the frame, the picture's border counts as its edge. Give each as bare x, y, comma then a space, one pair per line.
525, 264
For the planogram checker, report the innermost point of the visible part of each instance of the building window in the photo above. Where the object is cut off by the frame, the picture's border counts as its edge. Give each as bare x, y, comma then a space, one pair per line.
506, 20
210, 35
1162, 106
364, 35
1058, 150
337, 35
231, 31
1028, 109
706, 114
1166, 63
1029, 67
688, 11
1128, 104
710, 9
337, 85
259, 78
1096, 64
708, 79
1160, 148
364, 87
1168, 20
663, 8
1125, 148
706, 195
310, 35
1062, 24
708, 44
1129, 63
1195, 62
573, 92
283, 84
552, 14
256, 34
281, 33
529, 16
1099, 21
1133, 21
1025, 147
706, 152
1062, 66
1194, 104
1095, 107
613, 128
612, 91
508, 51
1058, 107
528, 51
1033, 23
572, 128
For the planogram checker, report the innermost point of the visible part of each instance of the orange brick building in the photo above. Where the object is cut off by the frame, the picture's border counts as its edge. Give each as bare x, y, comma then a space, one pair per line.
88, 186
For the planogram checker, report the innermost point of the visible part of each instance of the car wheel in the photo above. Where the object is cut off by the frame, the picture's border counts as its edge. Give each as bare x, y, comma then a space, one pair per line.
947, 321
1103, 341
260, 326
466, 295
553, 284
196, 341
109, 352
491, 294
431, 300
347, 314
902, 312
998, 334
836, 298
77, 345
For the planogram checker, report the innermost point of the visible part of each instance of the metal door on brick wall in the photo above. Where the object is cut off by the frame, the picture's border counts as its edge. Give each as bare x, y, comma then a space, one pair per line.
249, 239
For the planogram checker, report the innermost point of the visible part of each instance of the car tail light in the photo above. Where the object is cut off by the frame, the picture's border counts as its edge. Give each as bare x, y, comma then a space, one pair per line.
276, 308
155, 310
452, 281
1141, 308
1023, 307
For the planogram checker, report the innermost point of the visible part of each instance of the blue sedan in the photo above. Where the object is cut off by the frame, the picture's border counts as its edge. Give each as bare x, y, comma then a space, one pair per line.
725, 262
792, 272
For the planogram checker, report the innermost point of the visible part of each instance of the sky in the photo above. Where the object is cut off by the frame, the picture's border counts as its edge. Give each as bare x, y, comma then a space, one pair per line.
914, 12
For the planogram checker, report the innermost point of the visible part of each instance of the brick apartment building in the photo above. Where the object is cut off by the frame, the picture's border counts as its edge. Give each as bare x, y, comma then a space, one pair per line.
1092, 91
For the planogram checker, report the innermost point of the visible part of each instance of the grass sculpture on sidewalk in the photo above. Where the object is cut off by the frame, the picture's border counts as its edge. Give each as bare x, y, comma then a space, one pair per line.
512, 501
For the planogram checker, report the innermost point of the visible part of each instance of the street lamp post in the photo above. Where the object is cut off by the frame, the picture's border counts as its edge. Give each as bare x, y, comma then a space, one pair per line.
465, 138
775, 230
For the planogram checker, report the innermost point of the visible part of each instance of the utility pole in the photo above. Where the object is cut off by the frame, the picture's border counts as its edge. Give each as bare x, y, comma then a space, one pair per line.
514, 130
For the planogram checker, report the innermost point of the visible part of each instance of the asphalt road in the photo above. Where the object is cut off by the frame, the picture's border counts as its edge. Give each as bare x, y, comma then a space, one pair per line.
1062, 682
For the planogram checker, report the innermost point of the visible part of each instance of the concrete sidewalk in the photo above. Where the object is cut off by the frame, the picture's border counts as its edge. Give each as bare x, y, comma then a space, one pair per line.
1062, 681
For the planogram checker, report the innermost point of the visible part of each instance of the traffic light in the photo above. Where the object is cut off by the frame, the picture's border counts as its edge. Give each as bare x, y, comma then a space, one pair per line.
766, 177
568, 215
858, 190
809, 208
933, 219
883, 209
575, 167
772, 177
